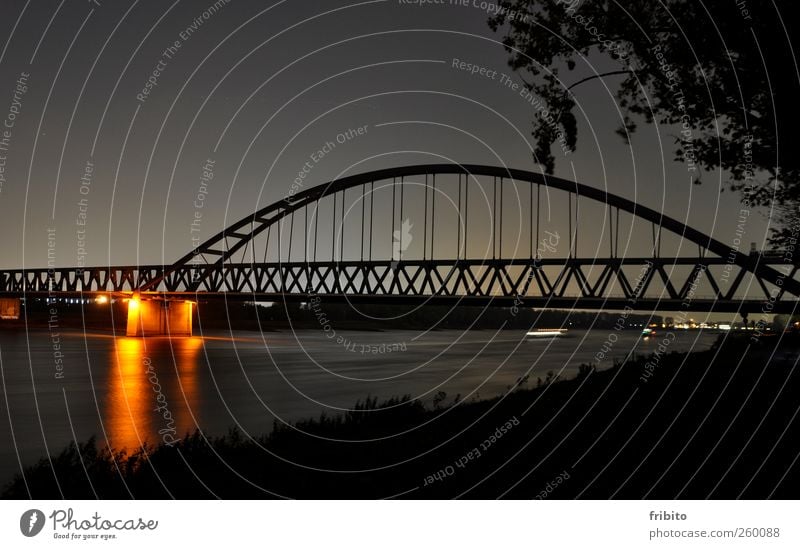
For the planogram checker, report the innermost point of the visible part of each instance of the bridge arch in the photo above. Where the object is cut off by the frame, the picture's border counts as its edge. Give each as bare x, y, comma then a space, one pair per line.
205, 267
766, 282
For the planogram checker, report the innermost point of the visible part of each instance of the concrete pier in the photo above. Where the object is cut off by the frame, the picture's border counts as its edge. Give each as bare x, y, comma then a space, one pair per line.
157, 317
9, 308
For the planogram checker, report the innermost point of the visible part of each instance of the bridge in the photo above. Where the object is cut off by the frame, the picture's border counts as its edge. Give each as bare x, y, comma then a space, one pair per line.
442, 233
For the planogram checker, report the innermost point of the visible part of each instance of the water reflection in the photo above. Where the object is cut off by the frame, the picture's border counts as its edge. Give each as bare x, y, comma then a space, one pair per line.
187, 389
250, 379
152, 390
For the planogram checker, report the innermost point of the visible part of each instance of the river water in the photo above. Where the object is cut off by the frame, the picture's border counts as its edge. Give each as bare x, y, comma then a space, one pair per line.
126, 391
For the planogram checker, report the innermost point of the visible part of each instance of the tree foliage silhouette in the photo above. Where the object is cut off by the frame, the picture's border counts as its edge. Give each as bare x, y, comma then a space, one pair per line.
724, 73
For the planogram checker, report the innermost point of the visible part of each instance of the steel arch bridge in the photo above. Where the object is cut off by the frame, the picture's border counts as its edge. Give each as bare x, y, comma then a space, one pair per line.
353, 239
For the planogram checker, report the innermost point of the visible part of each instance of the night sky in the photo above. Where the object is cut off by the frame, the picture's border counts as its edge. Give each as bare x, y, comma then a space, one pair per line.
123, 106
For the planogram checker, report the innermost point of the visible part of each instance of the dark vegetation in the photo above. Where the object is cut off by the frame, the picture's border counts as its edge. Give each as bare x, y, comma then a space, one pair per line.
721, 73
36, 313
399, 317
219, 315
719, 424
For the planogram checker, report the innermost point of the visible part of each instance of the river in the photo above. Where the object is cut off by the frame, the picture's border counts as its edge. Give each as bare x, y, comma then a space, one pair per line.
126, 391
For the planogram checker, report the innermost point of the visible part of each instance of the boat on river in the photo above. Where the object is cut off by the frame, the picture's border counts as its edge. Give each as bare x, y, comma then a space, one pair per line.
546, 333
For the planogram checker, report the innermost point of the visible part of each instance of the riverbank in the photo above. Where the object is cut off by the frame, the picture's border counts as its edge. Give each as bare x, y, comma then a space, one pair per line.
221, 315
719, 423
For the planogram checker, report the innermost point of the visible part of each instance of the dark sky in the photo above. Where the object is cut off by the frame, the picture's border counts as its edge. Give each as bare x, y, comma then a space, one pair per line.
257, 87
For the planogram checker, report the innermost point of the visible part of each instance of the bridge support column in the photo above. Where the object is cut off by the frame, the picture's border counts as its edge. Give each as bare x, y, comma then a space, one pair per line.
10, 308
158, 317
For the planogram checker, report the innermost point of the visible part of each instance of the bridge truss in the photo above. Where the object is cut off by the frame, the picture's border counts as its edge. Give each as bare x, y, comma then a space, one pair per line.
351, 239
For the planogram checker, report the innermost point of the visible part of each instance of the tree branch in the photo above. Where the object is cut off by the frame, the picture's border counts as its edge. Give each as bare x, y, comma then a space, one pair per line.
602, 75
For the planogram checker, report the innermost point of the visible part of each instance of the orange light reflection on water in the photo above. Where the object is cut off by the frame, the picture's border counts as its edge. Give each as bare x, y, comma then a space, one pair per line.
153, 386
129, 399
187, 391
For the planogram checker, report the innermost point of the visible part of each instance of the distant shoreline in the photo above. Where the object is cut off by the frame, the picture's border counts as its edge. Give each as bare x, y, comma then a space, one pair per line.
244, 316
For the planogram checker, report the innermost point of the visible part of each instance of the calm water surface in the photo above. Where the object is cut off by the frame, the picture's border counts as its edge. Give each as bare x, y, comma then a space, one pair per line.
125, 391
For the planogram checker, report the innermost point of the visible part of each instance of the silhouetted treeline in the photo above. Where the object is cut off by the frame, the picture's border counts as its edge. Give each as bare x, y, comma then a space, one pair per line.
719, 423
237, 315
216, 315
38, 313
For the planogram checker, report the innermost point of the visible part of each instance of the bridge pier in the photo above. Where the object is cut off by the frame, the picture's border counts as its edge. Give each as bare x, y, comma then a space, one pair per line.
10, 308
156, 317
